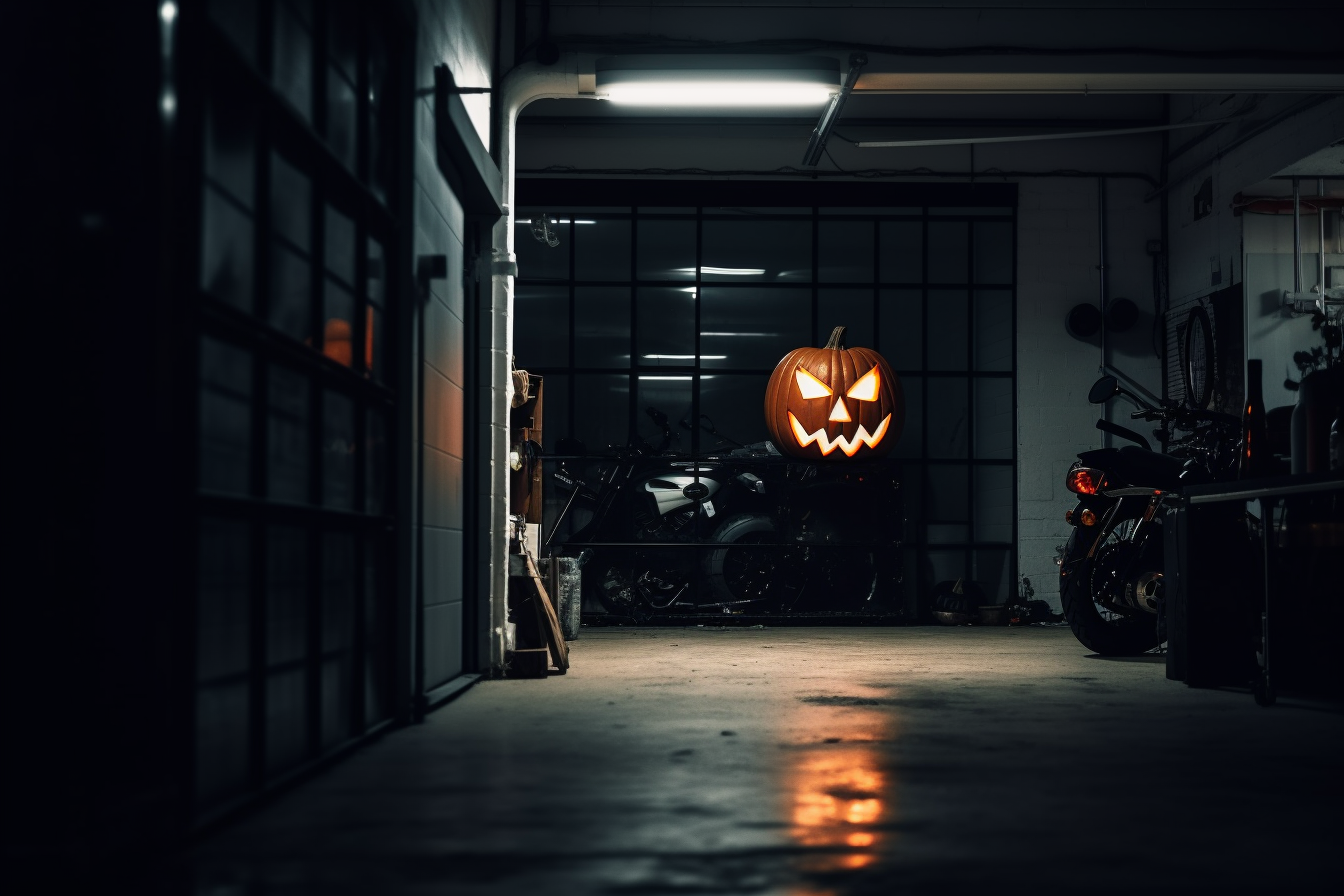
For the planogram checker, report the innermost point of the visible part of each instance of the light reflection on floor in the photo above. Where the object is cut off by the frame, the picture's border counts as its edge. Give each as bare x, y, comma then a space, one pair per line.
841, 795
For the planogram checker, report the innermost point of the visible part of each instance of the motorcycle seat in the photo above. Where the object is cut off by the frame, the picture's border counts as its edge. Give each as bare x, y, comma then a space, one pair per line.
1145, 468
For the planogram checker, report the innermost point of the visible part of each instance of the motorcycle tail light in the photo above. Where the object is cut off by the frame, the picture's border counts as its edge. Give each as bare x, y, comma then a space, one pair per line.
1089, 518
1085, 481
1068, 516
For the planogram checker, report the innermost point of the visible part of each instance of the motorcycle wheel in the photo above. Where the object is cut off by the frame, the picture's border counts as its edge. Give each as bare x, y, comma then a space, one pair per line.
640, 584
746, 568
1095, 624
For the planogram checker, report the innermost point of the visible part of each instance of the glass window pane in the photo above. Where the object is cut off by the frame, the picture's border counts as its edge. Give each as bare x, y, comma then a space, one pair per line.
602, 326
602, 410
912, 435
222, 619
948, 325
375, 342
901, 328
222, 735
286, 594
382, 157
753, 250
540, 326
601, 249
537, 260
994, 503
376, 458
947, 416
845, 252
230, 148
912, 500
947, 565
670, 394
946, 499
286, 719
377, 634
375, 337
947, 251
292, 60
666, 325
736, 405
665, 250
555, 425
993, 252
291, 295
376, 284
287, 435
338, 604
343, 36
753, 326
338, 328
226, 417
338, 451
993, 329
226, 251
991, 572
339, 242
291, 203
901, 251
994, 418
848, 308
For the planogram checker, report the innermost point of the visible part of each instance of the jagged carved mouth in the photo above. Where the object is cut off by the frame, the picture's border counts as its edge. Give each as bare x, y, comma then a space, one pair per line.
845, 444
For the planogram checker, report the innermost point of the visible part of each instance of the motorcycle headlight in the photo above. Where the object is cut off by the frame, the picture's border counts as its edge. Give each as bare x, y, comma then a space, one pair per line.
1085, 480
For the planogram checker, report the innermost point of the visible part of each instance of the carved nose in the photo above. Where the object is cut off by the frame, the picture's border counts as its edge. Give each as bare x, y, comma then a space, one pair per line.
839, 414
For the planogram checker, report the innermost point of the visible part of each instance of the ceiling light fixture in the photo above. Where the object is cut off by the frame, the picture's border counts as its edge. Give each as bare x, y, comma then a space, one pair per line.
718, 81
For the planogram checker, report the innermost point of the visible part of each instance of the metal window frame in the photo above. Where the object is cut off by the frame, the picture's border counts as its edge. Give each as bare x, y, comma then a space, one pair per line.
216, 67
623, 200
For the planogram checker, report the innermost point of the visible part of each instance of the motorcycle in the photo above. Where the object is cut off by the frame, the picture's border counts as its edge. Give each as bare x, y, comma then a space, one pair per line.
740, 530
1112, 567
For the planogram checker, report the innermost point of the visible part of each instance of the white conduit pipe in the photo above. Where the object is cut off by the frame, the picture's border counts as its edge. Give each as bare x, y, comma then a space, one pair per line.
523, 85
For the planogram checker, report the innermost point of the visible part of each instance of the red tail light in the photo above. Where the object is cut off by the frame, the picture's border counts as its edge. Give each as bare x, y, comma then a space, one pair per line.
1085, 481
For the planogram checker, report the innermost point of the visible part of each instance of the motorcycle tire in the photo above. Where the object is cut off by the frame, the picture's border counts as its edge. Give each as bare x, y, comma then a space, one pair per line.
744, 568
1112, 634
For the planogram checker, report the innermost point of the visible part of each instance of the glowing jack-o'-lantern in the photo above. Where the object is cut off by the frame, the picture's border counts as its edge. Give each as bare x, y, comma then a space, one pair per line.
834, 402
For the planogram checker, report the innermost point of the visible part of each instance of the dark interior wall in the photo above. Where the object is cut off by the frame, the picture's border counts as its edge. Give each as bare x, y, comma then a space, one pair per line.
93, 626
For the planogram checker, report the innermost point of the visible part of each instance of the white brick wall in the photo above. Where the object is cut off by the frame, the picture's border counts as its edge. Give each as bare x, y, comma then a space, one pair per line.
1057, 269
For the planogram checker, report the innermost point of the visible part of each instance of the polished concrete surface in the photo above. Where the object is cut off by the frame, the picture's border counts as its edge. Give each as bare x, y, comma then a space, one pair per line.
812, 762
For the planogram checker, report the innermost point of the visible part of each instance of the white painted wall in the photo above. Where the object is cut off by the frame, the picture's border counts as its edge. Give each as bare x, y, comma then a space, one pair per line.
1231, 241
460, 34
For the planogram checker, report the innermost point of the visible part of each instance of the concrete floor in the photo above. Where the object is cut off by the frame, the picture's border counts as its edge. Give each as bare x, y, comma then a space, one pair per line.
815, 762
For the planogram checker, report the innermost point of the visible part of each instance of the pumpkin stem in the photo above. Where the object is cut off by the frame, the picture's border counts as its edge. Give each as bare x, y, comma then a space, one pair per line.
837, 340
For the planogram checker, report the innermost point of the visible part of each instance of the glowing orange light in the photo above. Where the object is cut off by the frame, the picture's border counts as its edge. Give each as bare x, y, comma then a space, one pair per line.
1085, 481
860, 839
1089, 518
866, 388
809, 386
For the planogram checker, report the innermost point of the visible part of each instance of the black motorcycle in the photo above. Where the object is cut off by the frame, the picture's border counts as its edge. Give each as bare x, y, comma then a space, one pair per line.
738, 531
1112, 568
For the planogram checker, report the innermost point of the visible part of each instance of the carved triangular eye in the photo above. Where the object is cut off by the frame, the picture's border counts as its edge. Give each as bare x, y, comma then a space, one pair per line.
811, 387
866, 388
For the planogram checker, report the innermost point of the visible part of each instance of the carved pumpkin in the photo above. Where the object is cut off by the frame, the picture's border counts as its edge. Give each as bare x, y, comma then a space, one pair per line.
834, 402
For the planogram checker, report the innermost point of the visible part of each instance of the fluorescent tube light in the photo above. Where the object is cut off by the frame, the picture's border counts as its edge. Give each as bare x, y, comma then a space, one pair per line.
685, 357
731, 272
718, 81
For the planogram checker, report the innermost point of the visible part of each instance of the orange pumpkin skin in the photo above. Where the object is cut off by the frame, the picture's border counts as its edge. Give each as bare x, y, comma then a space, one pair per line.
834, 403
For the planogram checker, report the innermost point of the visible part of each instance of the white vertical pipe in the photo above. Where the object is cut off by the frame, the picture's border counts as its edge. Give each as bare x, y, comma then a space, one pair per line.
1297, 236
1320, 230
524, 84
